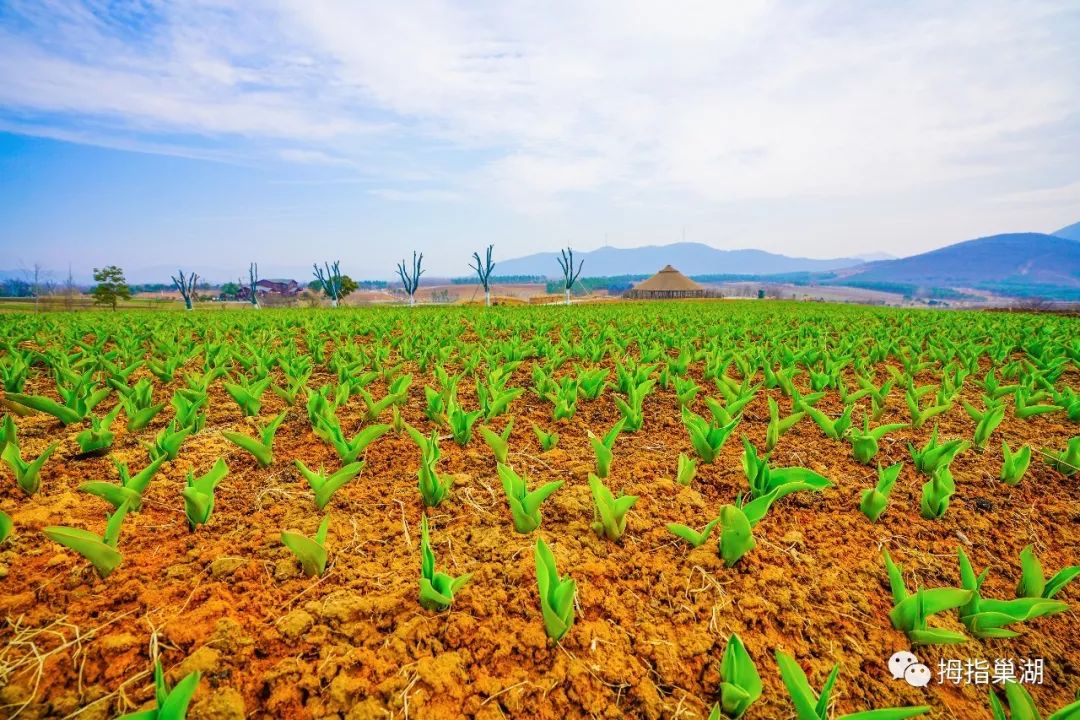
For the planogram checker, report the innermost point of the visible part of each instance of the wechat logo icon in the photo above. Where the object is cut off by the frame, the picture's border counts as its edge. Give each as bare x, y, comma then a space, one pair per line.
905, 666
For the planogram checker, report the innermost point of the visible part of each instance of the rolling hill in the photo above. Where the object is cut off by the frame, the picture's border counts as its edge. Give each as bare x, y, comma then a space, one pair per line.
1016, 264
1072, 232
691, 258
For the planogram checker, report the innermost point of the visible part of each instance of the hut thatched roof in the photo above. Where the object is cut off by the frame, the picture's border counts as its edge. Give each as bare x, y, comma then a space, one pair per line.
668, 280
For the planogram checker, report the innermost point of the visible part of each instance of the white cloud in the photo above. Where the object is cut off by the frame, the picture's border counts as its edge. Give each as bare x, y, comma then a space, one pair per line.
536, 106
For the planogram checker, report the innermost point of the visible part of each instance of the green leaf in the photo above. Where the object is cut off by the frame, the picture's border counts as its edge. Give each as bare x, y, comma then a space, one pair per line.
310, 552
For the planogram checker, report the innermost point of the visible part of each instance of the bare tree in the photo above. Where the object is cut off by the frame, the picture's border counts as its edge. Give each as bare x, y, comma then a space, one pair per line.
566, 262
411, 280
253, 281
330, 280
186, 286
69, 290
483, 271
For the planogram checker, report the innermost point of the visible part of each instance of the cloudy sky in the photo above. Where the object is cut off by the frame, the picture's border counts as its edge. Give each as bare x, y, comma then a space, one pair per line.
214, 132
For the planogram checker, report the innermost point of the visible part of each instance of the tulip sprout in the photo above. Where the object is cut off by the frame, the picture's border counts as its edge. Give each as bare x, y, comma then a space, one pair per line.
99, 550
437, 589
310, 551
556, 593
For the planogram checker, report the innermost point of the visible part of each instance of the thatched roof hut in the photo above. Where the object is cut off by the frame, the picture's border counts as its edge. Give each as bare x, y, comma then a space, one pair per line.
669, 283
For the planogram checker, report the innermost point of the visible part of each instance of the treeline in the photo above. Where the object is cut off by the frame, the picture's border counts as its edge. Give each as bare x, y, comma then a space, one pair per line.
501, 280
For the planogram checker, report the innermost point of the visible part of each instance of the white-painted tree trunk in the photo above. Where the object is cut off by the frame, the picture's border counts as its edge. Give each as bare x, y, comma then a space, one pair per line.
333, 302
487, 298
412, 300
567, 302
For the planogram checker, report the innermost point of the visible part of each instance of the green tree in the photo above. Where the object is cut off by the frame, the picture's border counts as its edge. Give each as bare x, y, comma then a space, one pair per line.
111, 286
230, 290
348, 285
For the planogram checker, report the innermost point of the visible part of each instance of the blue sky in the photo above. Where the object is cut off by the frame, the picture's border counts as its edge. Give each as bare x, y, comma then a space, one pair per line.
208, 133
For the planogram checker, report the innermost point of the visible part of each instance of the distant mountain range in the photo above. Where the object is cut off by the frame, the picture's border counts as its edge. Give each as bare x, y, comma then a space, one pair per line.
1026, 264
691, 258
1016, 264
1072, 232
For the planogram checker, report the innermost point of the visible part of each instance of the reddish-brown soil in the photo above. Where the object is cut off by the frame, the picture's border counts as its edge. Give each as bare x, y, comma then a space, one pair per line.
228, 599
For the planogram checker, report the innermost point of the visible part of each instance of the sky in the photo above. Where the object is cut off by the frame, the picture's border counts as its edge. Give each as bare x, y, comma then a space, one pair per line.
210, 133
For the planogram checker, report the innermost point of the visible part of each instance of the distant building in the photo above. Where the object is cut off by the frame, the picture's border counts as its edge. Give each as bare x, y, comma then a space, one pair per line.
668, 284
285, 288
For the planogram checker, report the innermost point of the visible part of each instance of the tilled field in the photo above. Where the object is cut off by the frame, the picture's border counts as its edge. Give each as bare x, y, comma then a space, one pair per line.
653, 615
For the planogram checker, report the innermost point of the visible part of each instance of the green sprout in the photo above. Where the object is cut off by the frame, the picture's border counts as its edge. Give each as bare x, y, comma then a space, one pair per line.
920, 415
986, 421
1022, 706
311, 552
1066, 462
685, 391
736, 534
833, 429
556, 593
167, 442
329, 429
7, 432
99, 550
437, 589
98, 437
864, 443
498, 442
778, 426
692, 536
325, 486
809, 705
138, 404
130, 489
80, 398
5, 526
875, 500
632, 408
936, 493
910, 611
933, 455
434, 488
1014, 464
687, 469
987, 618
602, 448
248, 395
609, 513
262, 448
740, 684
1023, 410
461, 422
27, 474
707, 437
1033, 584
592, 382
199, 494
524, 505
170, 704
548, 440
763, 479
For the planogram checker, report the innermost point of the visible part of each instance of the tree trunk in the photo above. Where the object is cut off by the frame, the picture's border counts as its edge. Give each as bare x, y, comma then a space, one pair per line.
412, 300
333, 302
567, 302
487, 298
